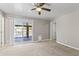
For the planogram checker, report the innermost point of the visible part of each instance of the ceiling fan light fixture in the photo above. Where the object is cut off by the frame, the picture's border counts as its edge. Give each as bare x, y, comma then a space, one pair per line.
38, 9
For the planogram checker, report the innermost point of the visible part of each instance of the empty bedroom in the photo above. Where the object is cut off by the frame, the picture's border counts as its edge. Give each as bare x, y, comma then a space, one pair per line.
39, 29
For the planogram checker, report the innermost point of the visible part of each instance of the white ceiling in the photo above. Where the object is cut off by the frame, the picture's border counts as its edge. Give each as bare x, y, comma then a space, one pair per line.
24, 9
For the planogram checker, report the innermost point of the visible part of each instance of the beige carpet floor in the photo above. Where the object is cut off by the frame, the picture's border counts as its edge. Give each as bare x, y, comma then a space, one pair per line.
47, 48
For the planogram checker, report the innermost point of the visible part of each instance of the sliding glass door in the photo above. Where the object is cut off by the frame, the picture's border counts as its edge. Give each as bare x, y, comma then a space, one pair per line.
22, 31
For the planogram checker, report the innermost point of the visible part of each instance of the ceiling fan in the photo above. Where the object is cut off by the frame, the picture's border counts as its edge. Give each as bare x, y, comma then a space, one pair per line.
39, 7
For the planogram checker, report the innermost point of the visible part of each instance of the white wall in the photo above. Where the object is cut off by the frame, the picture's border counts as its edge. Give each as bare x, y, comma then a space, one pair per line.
67, 29
41, 28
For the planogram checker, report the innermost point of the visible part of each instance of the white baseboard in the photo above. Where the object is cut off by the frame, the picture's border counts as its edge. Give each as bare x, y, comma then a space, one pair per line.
67, 45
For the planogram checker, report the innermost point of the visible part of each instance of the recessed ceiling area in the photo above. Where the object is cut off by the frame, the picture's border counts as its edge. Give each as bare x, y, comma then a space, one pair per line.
24, 9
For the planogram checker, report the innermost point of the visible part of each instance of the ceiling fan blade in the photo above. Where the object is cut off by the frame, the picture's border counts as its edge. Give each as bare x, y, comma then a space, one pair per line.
39, 13
39, 4
33, 9
46, 9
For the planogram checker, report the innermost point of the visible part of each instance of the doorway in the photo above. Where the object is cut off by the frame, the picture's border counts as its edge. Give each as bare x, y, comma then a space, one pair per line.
54, 31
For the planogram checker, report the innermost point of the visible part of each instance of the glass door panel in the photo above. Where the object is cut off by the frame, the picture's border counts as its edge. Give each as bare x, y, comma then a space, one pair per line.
23, 32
